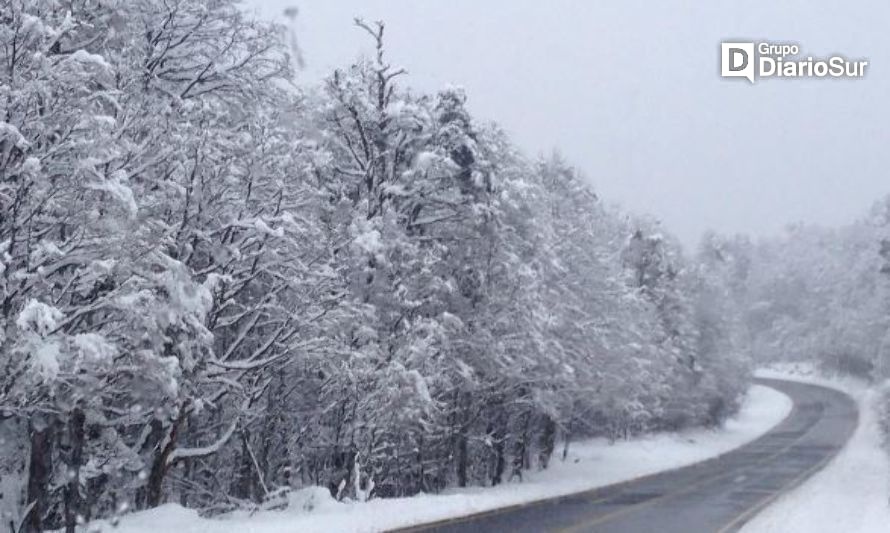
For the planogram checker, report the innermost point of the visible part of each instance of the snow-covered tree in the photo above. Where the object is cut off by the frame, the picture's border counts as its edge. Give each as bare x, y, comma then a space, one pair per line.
217, 286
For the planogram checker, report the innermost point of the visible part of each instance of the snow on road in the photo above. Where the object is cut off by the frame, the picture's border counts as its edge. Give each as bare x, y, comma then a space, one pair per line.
590, 464
851, 494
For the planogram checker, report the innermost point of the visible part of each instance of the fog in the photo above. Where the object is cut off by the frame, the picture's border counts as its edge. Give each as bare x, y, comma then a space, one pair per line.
630, 92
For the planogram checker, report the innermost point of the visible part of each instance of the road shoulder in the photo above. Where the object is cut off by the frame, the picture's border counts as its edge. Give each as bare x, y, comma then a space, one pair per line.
591, 465
851, 493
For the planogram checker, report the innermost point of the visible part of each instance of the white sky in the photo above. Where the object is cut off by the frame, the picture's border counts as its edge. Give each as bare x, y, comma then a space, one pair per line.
629, 91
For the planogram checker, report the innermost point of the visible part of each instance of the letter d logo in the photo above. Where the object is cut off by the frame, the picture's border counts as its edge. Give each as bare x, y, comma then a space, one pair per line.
737, 60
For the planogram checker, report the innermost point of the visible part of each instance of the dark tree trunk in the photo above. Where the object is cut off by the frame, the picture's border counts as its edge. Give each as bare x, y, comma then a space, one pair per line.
155, 440
459, 438
73, 504
187, 468
519, 448
519, 459
343, 463
39, 473
547, 442
500, 461
154, 488
244, 480
420, 484
462, 458
567, 438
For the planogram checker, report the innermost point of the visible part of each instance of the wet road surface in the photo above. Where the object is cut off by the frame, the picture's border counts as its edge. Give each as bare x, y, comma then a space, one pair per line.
718, 495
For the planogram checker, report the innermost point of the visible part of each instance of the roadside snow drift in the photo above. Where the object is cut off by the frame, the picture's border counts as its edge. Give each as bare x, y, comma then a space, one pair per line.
851, 494
590, 464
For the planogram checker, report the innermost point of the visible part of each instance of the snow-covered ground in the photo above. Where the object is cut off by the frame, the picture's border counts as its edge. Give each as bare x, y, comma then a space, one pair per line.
590, 464
851, 494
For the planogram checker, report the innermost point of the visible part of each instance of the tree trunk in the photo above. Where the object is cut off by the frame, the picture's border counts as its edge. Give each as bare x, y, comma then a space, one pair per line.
500, 461
459, 436
547, 442
462, 457
39, 473
520, 449
242, 485
567, 438
160, 466
73, 504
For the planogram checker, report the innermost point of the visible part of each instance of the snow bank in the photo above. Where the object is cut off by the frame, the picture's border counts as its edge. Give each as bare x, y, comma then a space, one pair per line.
851, 494
593, 463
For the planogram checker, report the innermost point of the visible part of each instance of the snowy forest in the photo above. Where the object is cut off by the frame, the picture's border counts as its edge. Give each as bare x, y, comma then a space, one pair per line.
822, 294
218, 284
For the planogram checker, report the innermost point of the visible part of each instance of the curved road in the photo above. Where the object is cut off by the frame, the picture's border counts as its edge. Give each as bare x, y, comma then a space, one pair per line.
718, 495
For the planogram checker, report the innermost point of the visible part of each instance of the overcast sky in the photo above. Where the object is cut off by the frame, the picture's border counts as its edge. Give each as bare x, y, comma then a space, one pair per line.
630, 92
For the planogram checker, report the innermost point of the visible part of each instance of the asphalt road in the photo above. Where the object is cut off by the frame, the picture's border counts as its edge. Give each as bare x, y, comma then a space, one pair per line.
718, 495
